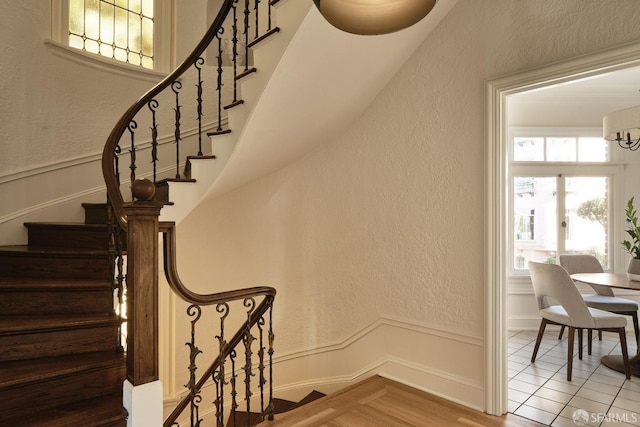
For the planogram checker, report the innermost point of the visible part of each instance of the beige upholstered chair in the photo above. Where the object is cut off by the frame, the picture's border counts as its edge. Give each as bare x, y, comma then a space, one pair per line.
604, 299
551, 283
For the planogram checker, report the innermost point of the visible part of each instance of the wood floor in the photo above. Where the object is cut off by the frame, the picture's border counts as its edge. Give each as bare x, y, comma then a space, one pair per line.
379, 402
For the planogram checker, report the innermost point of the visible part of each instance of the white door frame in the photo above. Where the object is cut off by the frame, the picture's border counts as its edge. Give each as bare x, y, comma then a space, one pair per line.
496, 91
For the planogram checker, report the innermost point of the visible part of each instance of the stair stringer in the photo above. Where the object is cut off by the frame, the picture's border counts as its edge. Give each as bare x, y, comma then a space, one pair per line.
185, 196
323, 82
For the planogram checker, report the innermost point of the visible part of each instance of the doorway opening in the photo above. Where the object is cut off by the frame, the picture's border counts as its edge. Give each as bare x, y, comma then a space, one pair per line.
558, 76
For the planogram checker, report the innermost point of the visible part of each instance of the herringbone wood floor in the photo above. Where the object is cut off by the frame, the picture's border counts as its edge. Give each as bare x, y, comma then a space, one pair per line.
379, 402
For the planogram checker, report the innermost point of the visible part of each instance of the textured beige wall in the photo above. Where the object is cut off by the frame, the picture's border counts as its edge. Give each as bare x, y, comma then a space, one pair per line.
388, 219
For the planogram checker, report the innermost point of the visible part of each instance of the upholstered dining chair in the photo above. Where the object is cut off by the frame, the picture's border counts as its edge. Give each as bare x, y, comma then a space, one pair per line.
604, 299
552, 283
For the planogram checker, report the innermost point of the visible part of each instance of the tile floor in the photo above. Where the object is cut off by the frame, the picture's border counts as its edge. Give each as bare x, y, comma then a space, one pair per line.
540, 391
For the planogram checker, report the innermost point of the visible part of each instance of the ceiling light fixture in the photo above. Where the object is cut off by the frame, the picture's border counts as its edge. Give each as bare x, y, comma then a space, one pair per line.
624, 127
372, 17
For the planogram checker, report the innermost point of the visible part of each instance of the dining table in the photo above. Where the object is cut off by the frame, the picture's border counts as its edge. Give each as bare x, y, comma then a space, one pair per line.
618, 281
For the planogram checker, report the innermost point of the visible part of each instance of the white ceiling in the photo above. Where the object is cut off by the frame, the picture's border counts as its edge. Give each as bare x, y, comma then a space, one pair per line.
580, 103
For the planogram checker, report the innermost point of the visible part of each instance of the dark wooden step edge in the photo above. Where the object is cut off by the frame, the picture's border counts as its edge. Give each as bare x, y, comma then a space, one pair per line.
219, 132
264, 36
104, 411
246, 73
234, 104
54, 323
56, 367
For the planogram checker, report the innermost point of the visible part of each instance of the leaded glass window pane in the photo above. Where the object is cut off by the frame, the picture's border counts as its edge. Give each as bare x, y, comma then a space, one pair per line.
117, 29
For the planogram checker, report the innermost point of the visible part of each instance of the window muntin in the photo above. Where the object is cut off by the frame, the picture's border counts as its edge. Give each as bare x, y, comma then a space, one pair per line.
559, 149
560, 200
559, 214
119, 29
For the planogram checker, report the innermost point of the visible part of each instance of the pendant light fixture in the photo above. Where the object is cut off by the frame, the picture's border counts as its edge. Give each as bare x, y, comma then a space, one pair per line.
624, 127
372, 17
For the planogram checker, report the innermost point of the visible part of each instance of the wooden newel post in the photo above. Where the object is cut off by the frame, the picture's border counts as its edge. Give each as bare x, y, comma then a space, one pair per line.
142, 284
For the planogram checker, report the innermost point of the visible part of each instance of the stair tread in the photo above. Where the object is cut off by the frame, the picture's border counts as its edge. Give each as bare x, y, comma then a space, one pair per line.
66, 224
40, 283
33, 370
97, 412
23, 324
25, 250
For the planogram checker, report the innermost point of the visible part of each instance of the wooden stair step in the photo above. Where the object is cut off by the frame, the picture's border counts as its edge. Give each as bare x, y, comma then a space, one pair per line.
22, 372
38, 296
25, 337
25, 261
95, 213
51, 382
104, 411
162, 188
67, 235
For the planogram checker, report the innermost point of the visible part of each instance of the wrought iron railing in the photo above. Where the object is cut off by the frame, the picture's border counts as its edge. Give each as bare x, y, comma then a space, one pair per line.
188, 106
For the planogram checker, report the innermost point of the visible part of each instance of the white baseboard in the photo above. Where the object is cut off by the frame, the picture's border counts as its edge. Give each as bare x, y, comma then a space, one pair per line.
445, 363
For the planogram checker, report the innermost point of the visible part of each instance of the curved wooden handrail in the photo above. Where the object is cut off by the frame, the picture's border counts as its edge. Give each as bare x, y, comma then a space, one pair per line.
108, 153
171, 272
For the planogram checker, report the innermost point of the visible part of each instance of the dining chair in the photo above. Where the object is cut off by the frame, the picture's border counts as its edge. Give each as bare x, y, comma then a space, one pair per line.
604, 299
552, 283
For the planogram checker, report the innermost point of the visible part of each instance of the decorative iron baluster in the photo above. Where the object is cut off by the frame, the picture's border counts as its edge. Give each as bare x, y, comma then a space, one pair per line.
121, 289
115, 254
234, 41
223, 309
198, 64
194, 312
219, 85
153, 106
116, 161
234, 390
271, 351
257, 8
268, 15
132, 151
261, 367
175, 87
247, 13
248, 339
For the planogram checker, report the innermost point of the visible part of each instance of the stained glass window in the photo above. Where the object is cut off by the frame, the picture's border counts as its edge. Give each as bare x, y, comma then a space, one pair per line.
119, 29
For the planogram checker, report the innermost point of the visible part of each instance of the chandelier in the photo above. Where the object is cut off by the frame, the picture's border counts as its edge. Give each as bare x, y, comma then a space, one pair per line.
623, 127
371, 17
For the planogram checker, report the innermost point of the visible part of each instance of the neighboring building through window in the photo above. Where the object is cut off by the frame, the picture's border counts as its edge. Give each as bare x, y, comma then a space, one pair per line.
118, 29
560, 197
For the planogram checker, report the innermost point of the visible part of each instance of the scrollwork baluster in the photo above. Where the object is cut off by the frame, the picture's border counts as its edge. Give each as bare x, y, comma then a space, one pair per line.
223, 309
247, 13
175, 87
234, 42
153, 106
271, 351
194, 312
132, 151
248, 339
234, 390
257, 8
219, 83
198, 64
261, 367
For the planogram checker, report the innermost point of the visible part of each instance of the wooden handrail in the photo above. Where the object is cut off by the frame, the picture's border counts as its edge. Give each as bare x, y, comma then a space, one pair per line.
109, 151
171, 272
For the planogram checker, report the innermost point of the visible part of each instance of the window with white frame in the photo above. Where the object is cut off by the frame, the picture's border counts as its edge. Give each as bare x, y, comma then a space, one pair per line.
561, 191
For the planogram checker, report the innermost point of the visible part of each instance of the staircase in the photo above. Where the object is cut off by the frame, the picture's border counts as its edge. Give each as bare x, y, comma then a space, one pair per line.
60, 359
